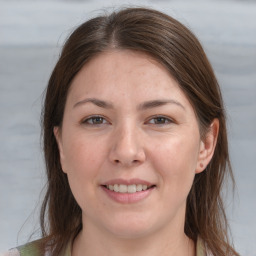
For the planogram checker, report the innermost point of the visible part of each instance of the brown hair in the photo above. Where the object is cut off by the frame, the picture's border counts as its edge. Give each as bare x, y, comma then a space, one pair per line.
176, 48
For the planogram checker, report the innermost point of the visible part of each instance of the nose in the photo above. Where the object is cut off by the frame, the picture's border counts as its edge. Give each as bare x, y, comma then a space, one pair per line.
127, 147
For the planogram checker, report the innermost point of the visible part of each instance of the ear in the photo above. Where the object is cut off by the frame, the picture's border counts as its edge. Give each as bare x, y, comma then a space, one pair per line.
207, 146
57, 134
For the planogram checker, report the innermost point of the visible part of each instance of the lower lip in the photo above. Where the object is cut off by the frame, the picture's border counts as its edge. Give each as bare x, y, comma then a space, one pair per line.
127, 198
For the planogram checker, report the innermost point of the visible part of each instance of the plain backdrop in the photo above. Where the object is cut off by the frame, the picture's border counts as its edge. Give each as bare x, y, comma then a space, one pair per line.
31, 34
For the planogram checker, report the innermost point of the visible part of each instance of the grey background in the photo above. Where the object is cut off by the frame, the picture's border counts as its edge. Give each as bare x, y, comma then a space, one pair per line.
31, 34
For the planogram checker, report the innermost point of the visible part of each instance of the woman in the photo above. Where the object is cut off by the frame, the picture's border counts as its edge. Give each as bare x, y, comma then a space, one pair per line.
135, 143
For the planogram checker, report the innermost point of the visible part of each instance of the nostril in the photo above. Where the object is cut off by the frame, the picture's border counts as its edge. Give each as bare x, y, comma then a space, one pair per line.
135, 161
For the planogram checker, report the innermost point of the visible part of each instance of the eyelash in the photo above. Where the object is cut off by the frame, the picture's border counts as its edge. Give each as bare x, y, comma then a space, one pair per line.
166, 120
90, 120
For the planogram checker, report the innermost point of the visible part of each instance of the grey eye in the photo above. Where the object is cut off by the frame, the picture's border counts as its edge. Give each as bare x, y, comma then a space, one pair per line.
95, 120
159, 120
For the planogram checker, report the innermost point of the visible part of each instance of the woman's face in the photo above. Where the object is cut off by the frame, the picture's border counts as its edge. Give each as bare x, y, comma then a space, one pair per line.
128, 126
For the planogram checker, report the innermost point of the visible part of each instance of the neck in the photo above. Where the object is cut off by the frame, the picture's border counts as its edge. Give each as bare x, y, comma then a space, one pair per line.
99, 243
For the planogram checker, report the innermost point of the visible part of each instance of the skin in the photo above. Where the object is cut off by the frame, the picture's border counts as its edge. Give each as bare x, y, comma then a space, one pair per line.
127, 141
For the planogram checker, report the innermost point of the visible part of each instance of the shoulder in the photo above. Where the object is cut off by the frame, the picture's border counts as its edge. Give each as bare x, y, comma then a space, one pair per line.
30, 249
201, 248
36, 248
12, 252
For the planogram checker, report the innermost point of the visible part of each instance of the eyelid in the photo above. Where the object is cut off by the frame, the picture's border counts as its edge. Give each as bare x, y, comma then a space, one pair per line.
85, 120
105, 120
170, 120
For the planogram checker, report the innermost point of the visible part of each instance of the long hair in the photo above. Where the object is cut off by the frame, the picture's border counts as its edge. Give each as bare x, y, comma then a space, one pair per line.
178, 50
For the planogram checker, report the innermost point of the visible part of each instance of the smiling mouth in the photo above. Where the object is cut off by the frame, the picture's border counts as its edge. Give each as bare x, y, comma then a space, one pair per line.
122, 188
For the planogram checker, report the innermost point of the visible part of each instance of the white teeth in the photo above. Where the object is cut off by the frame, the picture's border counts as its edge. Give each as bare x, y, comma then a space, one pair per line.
139, 187
122, 188
131, 189
116, 188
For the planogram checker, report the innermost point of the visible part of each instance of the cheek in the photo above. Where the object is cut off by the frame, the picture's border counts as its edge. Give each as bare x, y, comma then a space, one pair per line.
176, 162
81, 155
82, 162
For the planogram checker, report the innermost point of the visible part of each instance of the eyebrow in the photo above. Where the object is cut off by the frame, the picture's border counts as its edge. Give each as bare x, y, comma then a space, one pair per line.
97, 102
142, 106
158, 103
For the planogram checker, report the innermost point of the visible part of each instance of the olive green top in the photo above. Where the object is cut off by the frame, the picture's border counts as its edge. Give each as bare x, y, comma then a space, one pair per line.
33, 249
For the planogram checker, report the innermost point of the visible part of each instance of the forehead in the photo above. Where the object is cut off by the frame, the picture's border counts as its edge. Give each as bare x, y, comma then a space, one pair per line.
126, 80
123, 71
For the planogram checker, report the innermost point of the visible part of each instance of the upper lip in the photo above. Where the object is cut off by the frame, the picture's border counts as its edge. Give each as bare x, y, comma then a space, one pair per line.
127, 182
